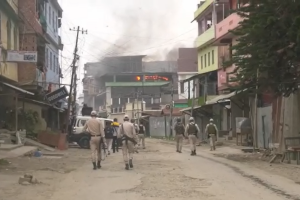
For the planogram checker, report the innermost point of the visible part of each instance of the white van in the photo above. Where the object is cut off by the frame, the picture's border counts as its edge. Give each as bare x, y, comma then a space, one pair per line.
80, 137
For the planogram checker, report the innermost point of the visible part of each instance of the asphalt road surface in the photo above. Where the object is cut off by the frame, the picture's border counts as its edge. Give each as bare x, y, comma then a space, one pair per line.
160, 173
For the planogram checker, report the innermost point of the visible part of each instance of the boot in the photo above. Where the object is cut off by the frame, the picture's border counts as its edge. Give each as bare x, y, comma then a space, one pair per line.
130, 163
98, 165
126, 166
94, 166
192, 153
195, 152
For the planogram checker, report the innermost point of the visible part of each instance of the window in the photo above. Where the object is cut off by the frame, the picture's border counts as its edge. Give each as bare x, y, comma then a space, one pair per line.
51, 60
212, 57
201, 62
8, 26
181, 87
208, 58
205, 60
47, 58
15, 38
46, 12
53, 20
50, 15
54, 63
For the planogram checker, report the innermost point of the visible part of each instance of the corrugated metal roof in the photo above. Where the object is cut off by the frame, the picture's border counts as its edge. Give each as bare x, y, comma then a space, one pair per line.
136, 84
17, 88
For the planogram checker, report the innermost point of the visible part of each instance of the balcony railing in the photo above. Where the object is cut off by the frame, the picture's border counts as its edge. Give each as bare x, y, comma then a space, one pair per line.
202, 8
206, 37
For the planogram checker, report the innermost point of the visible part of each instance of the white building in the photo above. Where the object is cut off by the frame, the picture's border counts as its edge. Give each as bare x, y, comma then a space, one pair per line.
53, 14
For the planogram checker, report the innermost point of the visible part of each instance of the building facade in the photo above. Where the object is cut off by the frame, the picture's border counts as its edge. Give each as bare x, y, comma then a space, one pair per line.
116, 81
9, 38
53, 18
187, 67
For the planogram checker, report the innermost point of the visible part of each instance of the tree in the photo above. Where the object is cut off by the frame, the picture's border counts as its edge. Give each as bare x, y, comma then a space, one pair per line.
269, 44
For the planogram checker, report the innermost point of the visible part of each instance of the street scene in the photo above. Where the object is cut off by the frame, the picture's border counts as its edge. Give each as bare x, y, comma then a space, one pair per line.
157, 100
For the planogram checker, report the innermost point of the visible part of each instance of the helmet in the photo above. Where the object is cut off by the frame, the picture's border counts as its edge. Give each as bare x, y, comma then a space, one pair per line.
211, 120
126, 117
178, 120
93, 113
132, 120
191, 119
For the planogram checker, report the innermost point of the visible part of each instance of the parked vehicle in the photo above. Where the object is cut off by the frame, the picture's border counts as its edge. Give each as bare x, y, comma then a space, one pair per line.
80, 137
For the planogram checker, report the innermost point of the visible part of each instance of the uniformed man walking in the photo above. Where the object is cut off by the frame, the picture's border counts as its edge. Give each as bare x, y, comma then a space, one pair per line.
142, 132
128, 136
96, 130
136, 128
109, 135
212, 131
191, 131
179, 131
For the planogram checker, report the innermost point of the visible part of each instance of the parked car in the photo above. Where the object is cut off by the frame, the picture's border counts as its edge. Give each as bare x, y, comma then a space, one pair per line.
78, 135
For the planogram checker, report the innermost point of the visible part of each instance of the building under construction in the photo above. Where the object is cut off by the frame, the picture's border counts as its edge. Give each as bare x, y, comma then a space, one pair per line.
116, 81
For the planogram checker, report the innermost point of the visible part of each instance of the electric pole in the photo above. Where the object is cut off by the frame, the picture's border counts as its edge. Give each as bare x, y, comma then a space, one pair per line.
193, 100
171, 109
73, 80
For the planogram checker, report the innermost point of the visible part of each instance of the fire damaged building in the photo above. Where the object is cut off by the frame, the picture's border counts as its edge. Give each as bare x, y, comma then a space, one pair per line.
116, 81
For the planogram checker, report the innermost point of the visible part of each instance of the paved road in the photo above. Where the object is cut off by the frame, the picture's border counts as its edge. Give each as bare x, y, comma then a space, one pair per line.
160, 173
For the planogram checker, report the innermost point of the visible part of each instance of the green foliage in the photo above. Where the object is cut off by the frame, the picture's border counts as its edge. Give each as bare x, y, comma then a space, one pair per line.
27, 119
268, 43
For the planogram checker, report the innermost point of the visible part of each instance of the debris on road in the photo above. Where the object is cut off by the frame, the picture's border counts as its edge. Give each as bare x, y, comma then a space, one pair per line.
28, 179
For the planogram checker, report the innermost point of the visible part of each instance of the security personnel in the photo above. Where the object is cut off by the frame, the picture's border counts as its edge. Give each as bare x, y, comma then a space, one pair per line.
115, 144
191, 131
127, 135
212, 131
136, 127
179, 131
142, 132
96, 131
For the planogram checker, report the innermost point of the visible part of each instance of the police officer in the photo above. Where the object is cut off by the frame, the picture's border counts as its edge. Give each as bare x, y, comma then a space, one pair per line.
136, 128
212, 131
127, 134
179, 131
191, 131
142, 132
96, 131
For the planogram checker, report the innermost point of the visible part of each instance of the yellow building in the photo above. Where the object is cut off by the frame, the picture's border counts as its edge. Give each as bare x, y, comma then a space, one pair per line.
9, 37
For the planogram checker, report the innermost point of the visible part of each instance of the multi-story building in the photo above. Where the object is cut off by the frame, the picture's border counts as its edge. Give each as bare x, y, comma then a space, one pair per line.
225, 40
9, 37
53, 16
208, 14
115, 81
187, 67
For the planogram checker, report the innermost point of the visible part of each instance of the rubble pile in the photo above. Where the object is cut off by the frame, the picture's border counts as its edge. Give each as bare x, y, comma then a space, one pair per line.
28, 179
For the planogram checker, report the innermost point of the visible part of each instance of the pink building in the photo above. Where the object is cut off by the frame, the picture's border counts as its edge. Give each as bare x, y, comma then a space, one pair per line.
225, 40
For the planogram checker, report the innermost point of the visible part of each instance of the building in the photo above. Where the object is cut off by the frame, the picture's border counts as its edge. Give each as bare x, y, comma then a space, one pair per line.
187, 67
53, 18
116, 81
9, 37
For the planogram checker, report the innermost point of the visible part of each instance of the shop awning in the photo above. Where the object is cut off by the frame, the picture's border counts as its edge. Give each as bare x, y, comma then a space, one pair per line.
223, 98
189, 109
17, 88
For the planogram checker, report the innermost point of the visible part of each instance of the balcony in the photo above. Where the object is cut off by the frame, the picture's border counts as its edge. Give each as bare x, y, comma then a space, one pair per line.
206, 37
223, 36
202, 7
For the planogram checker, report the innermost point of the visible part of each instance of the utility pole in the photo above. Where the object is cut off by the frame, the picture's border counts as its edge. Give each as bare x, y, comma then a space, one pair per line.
73, 80
193, 100
171, 109
75, 95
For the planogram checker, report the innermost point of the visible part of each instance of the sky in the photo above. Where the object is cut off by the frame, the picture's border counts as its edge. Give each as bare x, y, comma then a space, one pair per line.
115, 27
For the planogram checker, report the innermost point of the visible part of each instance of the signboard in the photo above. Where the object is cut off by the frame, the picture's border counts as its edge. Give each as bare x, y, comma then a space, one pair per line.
22, 56
57, 95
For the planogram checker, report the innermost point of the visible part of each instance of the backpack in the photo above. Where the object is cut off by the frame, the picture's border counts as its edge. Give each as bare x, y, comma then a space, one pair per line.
211, 129
141, 131
192, 130
109, 132
179, 128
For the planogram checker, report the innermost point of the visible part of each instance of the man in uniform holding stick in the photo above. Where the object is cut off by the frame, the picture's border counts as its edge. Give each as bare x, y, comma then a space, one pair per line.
127, 135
